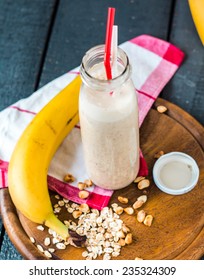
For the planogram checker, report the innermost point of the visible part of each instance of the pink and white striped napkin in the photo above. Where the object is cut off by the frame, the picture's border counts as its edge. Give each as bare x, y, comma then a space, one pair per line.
154, 62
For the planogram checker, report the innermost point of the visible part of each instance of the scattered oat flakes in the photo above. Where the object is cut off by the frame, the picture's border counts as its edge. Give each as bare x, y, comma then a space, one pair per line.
125, 229
61, 203
70, 210
48, 254
51, 250
32, 239
61, 246
47, 241
40, 227
40, 248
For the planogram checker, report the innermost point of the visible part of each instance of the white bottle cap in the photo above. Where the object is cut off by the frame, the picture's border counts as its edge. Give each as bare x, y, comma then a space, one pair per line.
175, 173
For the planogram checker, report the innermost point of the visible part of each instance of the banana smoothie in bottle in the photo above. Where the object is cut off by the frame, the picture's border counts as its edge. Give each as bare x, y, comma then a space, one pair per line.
108, 113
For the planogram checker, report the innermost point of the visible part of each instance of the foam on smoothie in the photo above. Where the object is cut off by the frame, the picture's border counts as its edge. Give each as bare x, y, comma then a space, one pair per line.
113, 106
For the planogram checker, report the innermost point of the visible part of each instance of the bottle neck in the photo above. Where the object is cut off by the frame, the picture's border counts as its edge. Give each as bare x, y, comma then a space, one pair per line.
93, 72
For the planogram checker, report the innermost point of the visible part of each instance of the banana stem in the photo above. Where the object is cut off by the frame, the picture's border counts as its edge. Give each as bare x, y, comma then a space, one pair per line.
55, 224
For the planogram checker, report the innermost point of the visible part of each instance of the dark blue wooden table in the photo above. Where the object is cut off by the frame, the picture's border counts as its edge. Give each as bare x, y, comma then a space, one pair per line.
42, 39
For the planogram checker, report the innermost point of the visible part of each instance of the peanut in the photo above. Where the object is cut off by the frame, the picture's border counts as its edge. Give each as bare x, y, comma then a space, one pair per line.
84, 208
76, 214
121, 242
148, 220
81, 186
128, 238
138, 204
119, 210
88, 182
141, 216
161, 109
83, 194
122, 199
158, 154
129, 210
143, 184
139, 179
68, 178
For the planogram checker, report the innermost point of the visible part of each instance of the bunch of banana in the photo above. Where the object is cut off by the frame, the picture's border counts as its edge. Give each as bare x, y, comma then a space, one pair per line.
28, 167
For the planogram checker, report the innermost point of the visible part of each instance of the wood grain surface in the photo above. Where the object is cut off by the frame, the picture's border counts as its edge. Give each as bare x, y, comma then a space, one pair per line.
40, 40
177, 229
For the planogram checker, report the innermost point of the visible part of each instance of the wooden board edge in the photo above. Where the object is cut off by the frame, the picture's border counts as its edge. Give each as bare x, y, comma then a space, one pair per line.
184, 118
11, 221
195, 250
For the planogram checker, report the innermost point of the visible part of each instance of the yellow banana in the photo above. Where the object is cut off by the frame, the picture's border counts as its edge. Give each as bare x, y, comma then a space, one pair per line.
28, 167
197, 11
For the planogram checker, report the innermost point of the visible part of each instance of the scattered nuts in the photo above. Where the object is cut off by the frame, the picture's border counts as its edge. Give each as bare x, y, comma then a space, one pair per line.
68, 178
139, 179
161, 109
122, 199
83, 194
128, 238
158, 154
138, 204
129, 210
81, 186
140, 201
141, 216
143, 184
88, 182
142, 198
148, 220
122, 242
118, 210
76, 214
84, 208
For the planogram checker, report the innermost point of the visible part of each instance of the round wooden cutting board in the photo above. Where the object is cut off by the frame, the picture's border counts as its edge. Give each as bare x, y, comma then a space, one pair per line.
177, 231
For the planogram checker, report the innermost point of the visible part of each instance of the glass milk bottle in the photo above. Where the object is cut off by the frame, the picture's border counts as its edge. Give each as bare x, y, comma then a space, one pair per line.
108, 113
